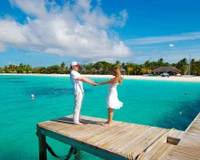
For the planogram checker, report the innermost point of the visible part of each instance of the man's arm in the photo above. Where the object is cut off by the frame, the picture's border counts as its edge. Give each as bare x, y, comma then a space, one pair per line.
86, 80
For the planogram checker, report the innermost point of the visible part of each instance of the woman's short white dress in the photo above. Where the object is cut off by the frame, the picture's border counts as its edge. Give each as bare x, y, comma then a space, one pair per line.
112, 99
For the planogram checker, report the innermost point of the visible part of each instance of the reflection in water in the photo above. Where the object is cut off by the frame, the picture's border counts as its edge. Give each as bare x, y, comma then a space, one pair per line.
13, 80
181, 116
51, 91
74, 153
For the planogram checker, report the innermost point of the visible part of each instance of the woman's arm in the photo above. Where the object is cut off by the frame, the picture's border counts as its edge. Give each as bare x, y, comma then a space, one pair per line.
107, 82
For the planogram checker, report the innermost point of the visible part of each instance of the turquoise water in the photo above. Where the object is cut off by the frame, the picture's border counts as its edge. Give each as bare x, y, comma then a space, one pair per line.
156, 103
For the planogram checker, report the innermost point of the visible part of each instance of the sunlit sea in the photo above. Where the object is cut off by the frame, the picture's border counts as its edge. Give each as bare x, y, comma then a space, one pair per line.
165, 104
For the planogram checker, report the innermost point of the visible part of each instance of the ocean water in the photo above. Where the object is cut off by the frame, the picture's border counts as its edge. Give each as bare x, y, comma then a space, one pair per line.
156, 103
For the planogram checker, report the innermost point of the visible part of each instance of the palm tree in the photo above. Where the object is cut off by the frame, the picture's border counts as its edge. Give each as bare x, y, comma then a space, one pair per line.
63, 66
160, 62
117, 62
182, 65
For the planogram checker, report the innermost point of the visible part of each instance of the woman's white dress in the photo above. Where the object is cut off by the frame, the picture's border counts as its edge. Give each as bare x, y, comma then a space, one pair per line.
112, 99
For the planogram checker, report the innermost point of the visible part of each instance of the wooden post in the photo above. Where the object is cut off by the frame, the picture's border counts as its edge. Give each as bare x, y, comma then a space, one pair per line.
42, 146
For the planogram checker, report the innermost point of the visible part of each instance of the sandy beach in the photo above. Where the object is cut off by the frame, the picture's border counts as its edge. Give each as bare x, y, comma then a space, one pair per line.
157, 78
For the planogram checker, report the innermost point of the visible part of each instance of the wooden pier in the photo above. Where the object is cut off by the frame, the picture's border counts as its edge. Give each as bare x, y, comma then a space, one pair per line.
122, 141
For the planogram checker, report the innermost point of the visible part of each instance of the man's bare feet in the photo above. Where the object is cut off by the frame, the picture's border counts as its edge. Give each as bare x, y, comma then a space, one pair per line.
78, 123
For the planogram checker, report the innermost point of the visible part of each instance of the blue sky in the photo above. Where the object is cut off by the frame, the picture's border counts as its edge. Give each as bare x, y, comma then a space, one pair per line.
44, 33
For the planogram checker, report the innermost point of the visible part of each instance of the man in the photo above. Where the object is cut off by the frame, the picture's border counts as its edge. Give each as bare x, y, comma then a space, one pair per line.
77, 80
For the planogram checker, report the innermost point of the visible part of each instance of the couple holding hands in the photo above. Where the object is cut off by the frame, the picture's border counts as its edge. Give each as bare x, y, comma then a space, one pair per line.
112, 98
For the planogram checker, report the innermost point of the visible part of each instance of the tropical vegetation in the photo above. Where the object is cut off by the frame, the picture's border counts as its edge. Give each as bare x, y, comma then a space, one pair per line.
103, 67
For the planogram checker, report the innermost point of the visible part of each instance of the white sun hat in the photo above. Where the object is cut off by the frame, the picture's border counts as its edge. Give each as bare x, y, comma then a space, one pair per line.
74, 64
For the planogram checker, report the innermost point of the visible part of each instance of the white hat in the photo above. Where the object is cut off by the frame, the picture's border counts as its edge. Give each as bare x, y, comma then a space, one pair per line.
74, 64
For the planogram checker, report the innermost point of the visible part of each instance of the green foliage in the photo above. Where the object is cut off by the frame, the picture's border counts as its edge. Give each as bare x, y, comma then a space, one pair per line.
54, 69
103, 67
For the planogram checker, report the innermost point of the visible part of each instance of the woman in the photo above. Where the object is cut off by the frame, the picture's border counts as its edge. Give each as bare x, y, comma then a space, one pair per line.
112, 98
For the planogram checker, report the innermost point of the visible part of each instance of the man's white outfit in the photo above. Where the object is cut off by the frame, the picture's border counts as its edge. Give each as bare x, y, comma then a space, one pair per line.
78, 95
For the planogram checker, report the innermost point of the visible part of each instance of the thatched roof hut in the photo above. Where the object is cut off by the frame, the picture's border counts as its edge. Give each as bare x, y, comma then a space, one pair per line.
100, 70
167, 69
83, 70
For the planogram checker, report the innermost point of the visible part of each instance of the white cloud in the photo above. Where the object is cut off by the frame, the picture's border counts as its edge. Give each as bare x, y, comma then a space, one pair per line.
163, 39
11, 32
33, 7
171, 45
78, 30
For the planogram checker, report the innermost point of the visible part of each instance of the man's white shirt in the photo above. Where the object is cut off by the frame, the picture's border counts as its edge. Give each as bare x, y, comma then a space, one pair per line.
78, 85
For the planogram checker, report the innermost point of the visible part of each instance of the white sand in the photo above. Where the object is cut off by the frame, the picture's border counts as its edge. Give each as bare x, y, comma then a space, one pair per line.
171, 78
157, 78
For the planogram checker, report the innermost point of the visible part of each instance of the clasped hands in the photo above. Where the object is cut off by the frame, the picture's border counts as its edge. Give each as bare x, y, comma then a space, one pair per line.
95, 84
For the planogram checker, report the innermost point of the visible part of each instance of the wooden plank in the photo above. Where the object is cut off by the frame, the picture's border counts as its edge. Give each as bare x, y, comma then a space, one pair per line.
157, 137
172, 140
166, 152
86, 131
187, 151
194, 129
117, 136
133, 139
85, 136
148, 155
160, 151
95, 150
70, 130
182, 153
180, 135
154, 153
176, 134
144, 141
178, 156
189, 146
122, 140
112, 136
195, 124
191, 140
104, 133
53, 125
174, 137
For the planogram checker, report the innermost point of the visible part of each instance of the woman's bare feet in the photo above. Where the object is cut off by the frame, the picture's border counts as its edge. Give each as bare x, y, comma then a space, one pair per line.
107, 124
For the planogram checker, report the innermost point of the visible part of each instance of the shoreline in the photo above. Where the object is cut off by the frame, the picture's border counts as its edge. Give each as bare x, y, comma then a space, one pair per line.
139, 77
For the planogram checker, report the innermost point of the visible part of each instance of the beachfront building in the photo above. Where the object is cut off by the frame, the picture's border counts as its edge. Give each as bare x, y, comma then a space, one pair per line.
123, 71
166, 69
83, 70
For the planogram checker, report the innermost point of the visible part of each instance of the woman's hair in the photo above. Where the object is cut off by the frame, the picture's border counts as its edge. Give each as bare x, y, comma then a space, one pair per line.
117, 73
